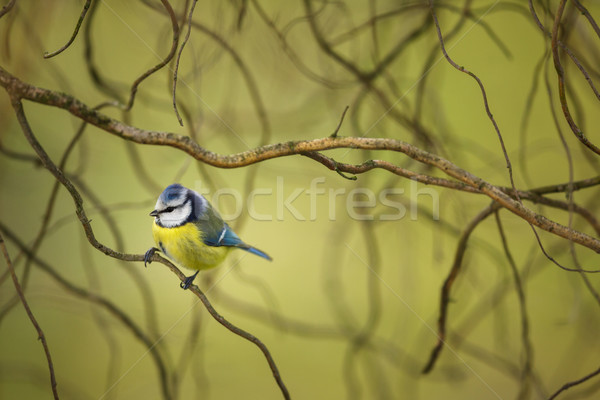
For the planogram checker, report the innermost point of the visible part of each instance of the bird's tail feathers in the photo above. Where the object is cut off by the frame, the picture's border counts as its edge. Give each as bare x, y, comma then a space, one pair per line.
257, 252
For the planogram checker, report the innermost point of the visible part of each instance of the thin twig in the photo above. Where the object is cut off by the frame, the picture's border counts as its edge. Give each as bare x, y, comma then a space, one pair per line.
187, 36
7, 7
476, 78
388, 166
39, 330
366, 333
37, 242
220, 319
367, 78
526, 372
526, 116
584, 11
242, 333
296, 59
481, 87
252, 86
563, 187
569, 189
566, 49
86, 7
449, 282
560, 72
337, 129
575, 383
88, 54
432, 59
165, 61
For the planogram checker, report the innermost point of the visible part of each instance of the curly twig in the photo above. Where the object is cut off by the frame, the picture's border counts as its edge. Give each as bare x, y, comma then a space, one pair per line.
88, 53
242, 333
561, 74
37, 242
110, 307
526, 372
39, 330
574, 383
185, 40
481, 87
367, 77
86, 7
220, 319
165, 61
366, 333
449, 282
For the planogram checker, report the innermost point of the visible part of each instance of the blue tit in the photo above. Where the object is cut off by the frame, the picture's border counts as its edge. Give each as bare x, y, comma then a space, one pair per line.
188, 230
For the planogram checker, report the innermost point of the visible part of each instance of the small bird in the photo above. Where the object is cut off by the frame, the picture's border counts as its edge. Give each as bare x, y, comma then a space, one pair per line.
189, 231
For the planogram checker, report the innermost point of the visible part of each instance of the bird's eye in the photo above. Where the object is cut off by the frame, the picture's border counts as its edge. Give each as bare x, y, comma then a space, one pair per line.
169, 209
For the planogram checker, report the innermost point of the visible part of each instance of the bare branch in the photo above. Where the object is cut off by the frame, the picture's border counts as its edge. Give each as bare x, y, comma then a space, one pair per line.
86, 7
32, 318
175, 28
561, 74
242, 333
449, 282
526, 372
569, 385
337, 129
7, 7
187, 36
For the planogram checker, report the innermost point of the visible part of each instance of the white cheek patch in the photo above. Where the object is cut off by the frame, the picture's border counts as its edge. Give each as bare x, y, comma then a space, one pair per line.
176, 217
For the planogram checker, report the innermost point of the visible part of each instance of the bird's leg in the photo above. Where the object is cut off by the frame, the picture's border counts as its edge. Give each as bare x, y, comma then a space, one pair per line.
187, 282
148, 256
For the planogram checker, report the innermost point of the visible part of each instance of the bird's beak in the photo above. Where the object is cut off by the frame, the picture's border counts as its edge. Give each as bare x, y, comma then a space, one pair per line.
154, 213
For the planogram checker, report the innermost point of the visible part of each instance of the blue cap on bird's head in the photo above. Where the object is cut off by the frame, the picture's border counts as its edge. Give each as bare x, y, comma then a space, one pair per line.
174, 196
172, 193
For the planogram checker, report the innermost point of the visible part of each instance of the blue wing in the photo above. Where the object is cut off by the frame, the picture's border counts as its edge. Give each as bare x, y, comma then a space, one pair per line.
216, 232
227, 237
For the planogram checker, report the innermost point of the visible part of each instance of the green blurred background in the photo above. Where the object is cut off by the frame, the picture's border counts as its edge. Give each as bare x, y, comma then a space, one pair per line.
348, 308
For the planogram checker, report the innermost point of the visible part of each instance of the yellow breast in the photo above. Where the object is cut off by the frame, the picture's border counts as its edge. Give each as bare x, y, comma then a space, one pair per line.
184, 245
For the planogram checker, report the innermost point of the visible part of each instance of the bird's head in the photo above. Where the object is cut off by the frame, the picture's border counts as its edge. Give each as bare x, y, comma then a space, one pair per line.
174, 206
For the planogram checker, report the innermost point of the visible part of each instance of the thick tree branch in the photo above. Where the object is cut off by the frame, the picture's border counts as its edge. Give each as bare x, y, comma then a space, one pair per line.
18, 90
